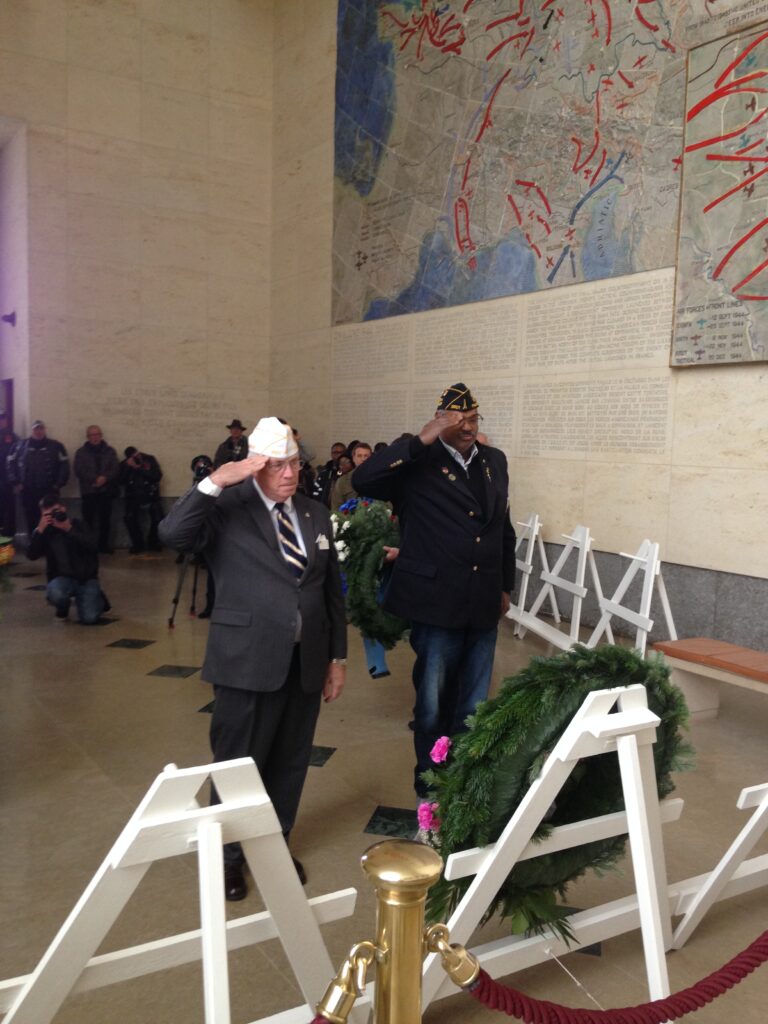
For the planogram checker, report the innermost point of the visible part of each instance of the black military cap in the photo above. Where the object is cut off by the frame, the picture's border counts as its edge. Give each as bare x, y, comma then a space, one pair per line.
457, 398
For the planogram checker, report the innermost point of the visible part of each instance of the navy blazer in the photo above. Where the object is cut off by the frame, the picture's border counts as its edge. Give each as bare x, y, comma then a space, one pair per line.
454, 561
258, 598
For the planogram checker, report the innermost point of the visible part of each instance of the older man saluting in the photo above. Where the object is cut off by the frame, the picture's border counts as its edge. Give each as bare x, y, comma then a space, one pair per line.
277, 642
456, 567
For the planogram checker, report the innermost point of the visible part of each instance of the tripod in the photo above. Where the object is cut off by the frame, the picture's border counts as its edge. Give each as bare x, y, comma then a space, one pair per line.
185, 560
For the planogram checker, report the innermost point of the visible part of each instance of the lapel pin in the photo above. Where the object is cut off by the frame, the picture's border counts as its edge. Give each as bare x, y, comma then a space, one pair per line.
451, 476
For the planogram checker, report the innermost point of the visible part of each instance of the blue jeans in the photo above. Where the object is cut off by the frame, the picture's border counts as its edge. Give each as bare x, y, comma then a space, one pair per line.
452, 674
88, 598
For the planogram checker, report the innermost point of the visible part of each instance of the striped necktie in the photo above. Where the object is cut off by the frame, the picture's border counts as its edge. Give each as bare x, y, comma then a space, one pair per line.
289, 544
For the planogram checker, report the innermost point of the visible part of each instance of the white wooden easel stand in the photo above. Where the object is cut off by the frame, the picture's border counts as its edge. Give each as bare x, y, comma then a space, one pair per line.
647, 562
530, 540
691, 897
167, 822
579, 542
596, 728
730, 867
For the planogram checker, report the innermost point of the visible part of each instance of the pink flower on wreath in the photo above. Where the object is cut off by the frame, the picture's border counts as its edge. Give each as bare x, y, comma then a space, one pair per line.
427, 816
439, 752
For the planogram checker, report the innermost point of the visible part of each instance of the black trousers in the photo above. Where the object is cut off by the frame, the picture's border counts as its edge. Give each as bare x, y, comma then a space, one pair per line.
134, 510
276, 729
30, 501
7, 510
97, 512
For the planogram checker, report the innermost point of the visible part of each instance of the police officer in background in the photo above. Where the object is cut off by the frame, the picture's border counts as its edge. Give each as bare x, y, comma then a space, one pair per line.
37, 466
8, 441
456, 567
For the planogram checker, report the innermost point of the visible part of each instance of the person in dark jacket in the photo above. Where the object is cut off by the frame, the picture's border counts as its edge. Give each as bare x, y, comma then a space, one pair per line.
8, 441
235, 448
37, 466
72, 564
140, 476
277, 644
97, 469
327, 474
455, 570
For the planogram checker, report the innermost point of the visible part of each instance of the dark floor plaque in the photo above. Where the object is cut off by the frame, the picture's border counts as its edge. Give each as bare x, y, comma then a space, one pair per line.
23, 574
395, 822
36, 586
134, 645
320, 755
175, 671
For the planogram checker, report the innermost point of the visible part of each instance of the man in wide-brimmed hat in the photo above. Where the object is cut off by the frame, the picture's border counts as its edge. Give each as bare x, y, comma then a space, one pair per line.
235, 448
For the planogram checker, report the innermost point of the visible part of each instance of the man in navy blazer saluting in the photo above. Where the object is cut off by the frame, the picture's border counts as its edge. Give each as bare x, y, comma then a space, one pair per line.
456, 568
277, 642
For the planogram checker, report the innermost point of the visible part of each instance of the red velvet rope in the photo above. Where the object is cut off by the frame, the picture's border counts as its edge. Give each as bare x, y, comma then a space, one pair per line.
536, 1011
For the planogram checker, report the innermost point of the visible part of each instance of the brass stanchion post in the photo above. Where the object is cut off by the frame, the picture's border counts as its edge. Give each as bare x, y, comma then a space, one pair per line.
402, 872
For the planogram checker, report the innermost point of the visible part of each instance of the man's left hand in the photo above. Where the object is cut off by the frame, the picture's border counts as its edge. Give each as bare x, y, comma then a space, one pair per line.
505, 603
334, 682
99, 481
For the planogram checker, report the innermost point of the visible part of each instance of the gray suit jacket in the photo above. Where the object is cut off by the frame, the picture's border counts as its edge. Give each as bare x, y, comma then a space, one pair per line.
258, 598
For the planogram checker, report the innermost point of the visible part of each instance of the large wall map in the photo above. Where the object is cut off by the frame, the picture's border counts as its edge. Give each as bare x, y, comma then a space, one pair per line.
492, 147
722, 280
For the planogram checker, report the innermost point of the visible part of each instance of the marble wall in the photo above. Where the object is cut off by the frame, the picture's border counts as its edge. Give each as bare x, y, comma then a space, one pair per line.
302, 211
576, 383
178, 163
148, 129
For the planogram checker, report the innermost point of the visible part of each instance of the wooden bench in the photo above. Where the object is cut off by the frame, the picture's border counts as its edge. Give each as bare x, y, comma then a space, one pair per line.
700, 665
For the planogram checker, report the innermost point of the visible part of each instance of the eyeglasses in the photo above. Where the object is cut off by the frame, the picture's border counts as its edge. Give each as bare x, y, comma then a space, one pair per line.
280, 465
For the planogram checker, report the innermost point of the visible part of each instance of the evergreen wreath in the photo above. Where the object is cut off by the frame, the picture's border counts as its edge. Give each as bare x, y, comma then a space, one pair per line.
361, 529
491, 767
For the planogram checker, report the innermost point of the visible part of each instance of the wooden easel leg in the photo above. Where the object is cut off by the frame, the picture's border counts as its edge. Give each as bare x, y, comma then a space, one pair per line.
213, 924
642, 804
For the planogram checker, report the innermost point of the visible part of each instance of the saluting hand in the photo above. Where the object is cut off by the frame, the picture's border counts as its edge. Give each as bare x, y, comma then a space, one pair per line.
432, 430
234, 472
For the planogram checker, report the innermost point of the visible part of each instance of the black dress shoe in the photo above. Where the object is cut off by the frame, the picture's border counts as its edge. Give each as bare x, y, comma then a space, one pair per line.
234, 883
300, 870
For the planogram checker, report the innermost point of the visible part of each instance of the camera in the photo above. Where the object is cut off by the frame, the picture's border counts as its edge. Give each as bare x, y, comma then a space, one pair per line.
59, 515
201, 467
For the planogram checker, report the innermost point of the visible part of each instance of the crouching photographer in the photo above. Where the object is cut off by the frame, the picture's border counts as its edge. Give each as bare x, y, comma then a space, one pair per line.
72, 562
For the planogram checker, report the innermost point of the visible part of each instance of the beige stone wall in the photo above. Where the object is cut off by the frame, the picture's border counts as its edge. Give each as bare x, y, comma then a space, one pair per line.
176, 162
148, 128
575, 383
300, 369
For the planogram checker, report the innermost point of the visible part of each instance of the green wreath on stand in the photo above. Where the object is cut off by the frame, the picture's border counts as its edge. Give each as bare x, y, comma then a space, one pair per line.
490, 768
361, 529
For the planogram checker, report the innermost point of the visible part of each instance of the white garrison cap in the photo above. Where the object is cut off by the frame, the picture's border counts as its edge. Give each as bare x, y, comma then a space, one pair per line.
272, 438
